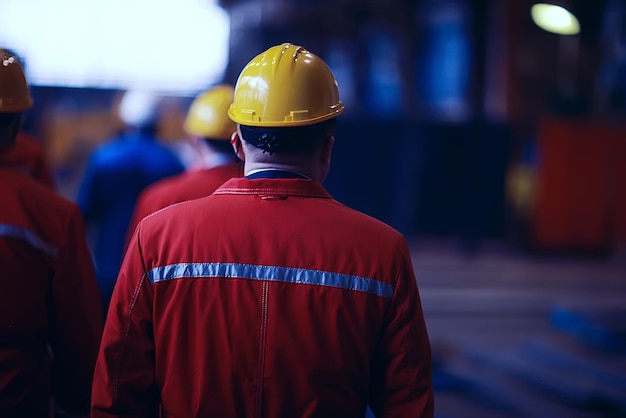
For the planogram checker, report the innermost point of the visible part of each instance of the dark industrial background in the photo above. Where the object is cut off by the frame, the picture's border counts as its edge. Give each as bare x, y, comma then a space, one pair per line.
497, 148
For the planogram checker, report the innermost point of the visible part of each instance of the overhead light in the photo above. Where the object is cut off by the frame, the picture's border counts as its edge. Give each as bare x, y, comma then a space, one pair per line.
555, 19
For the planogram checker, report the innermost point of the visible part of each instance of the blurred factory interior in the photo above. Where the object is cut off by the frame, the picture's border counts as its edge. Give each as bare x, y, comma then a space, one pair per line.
496, 146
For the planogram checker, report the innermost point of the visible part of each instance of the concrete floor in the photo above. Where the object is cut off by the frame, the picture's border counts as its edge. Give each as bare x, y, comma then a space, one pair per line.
521, 336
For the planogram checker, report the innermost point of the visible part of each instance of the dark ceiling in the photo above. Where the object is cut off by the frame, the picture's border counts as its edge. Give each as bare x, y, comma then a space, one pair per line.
536, 70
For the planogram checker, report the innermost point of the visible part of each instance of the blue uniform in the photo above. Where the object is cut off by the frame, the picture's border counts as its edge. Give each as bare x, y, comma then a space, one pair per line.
116, 174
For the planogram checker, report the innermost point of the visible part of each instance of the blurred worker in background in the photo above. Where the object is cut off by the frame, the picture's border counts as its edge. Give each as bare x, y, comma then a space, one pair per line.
27, 154
116, 174
209, 130
268, 297
50, 313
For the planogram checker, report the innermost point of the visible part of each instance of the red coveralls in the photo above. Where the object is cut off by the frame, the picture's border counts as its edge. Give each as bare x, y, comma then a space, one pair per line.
266, 299
50, 313
179, 188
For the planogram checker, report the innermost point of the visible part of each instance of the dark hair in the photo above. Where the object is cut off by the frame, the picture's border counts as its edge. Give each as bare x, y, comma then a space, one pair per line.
297, 140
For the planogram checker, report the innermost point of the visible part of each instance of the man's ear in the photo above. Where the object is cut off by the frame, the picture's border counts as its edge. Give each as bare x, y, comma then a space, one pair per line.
235, 141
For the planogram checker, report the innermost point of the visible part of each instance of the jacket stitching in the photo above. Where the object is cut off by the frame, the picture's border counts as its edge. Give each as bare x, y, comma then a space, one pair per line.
272, 191
262, 345
130, 308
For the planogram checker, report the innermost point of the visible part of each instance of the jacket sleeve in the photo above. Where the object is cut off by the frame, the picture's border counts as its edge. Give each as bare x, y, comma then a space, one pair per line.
76, 319
124, 384
402, 369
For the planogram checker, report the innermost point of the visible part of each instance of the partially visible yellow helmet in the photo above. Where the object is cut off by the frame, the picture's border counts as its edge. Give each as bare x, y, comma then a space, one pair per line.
207, 116
14, 91
285, 86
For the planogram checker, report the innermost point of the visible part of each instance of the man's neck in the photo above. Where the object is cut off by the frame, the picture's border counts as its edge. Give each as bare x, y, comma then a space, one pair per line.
275, 173
302, 170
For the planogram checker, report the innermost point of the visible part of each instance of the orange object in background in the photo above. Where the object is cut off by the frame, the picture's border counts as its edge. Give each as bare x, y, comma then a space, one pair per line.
579, 204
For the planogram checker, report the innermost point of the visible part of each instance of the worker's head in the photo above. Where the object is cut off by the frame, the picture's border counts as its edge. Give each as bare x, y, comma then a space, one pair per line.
286, 101
207, 119
14, 97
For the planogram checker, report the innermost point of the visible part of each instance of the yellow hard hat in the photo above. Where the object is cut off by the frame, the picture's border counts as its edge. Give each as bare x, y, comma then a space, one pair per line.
207, 116
14, 91
285, 86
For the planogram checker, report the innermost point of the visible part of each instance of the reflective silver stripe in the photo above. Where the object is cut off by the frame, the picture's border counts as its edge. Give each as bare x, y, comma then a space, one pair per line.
273, 273
24, 234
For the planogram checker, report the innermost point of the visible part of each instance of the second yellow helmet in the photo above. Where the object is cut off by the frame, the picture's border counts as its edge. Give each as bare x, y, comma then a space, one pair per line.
285, 86
208, 114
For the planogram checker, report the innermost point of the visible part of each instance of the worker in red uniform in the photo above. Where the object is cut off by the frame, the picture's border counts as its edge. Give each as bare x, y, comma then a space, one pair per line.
50, 314
268, 298
209, 130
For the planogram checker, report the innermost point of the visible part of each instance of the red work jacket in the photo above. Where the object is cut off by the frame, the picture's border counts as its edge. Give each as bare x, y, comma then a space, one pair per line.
266, 299
179, 188
50, 313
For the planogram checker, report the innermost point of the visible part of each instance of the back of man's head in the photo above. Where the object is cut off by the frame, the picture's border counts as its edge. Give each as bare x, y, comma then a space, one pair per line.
300, 141
286, 101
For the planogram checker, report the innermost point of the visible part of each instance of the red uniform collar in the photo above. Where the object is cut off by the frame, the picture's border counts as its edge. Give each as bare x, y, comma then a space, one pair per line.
274, 187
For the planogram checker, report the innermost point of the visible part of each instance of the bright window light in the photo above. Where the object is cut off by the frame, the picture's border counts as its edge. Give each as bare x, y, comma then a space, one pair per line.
177, 47
555, 19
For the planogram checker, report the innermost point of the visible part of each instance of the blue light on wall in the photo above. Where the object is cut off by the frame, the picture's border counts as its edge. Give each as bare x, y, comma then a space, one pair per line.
384, 81
443, 67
